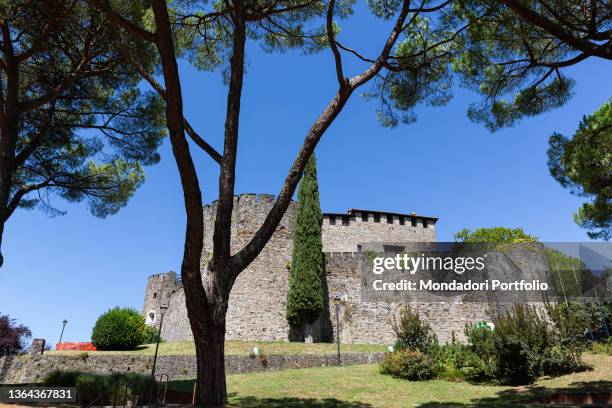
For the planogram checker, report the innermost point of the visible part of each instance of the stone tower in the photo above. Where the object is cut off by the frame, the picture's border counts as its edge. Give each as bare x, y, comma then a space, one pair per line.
160, 288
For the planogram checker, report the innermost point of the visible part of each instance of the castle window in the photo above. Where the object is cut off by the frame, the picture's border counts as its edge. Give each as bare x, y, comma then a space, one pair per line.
424, 223
364, 216
358, 248
389, 219
332, 220
376, 217
393, 248
150, 317
345, 220
402, 220
413, 220
154, 295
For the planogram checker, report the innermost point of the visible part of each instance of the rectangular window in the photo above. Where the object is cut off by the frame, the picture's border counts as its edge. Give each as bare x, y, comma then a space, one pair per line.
413, 221
332, 220
364, 216
424, 223
389, 219
402, 220
345, 220
154, 295
358, 248
376, 217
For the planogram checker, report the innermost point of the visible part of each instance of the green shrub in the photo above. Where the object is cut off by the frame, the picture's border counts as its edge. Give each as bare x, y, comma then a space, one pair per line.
524, 345
101, 389
520, 340
603, 347
59, 378
455, 361
150, 337
119, 329
409, 365
412, 332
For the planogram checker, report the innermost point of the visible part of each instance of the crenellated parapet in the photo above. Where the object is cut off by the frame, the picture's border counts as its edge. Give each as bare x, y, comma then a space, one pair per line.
346, 232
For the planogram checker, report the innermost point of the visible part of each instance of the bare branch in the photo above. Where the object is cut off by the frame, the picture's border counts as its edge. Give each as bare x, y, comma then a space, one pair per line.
214, 154
331, 37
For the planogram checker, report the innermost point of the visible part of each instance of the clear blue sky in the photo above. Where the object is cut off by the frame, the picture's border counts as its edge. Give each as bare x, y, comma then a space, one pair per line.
76, 266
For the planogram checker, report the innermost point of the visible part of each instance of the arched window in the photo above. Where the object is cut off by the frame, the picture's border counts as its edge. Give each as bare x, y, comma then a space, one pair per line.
150, 317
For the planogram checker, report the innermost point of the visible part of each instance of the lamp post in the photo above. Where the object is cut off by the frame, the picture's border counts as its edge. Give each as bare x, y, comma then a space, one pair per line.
64, 323
338, 301
162, 309
161, 321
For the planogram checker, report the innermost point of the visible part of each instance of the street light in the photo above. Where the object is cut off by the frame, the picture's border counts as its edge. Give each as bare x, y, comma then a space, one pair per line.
64, 323
338, 301
162, 309
161, 321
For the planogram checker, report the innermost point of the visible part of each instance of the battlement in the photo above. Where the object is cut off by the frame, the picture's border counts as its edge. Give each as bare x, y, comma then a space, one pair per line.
383, 217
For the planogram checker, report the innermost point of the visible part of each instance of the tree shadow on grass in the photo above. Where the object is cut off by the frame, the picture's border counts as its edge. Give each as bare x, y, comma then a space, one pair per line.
534, 395
255, 402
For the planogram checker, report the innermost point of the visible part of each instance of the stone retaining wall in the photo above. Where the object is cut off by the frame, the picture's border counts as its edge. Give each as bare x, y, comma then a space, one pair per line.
34, 368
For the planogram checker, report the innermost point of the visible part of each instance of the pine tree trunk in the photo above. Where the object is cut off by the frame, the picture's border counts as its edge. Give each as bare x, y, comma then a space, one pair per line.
211, 390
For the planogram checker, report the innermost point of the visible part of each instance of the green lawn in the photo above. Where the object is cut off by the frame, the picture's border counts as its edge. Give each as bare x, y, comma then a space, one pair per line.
242, 348
364, 387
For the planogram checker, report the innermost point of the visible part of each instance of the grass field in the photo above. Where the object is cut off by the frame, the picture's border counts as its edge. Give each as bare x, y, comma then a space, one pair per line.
364, 387
242, 348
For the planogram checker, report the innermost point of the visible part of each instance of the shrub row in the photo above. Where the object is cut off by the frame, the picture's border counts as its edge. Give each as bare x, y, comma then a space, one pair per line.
102, 389
525, 344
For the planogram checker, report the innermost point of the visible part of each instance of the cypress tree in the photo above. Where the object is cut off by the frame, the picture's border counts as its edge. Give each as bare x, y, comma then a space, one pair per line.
305, 296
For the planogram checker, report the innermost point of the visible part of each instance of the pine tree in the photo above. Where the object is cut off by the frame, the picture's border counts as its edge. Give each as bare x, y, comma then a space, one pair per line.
305, 296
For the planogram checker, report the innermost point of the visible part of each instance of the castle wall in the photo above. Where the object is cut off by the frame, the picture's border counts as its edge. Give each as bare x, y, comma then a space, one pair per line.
345, 233
257, 306
372, 322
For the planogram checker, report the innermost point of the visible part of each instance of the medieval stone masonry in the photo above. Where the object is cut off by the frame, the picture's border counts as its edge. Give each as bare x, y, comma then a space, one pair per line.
258, 299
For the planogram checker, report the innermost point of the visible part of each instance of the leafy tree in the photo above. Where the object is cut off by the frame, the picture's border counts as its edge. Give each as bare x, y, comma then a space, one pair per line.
120, 328
570, 275
496, 235
11, 335
584, 165
411, 67
305, 296
516, 51
73, 122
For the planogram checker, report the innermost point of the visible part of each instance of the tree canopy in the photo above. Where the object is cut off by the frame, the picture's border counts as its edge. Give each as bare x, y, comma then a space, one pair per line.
495, 235
583, 164
12, 335
74, 123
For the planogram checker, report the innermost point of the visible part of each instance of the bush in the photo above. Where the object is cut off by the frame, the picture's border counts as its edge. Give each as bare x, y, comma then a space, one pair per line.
413, 333
524, 345
520, 340
455, 361
151, 333
62, 378
603, 347
409, 365
101, 389
119, 329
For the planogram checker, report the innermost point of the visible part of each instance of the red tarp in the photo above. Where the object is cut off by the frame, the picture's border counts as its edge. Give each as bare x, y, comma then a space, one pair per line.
82, 346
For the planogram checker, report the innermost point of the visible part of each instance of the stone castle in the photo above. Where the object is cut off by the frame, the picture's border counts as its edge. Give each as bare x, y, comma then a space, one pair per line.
258, 299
